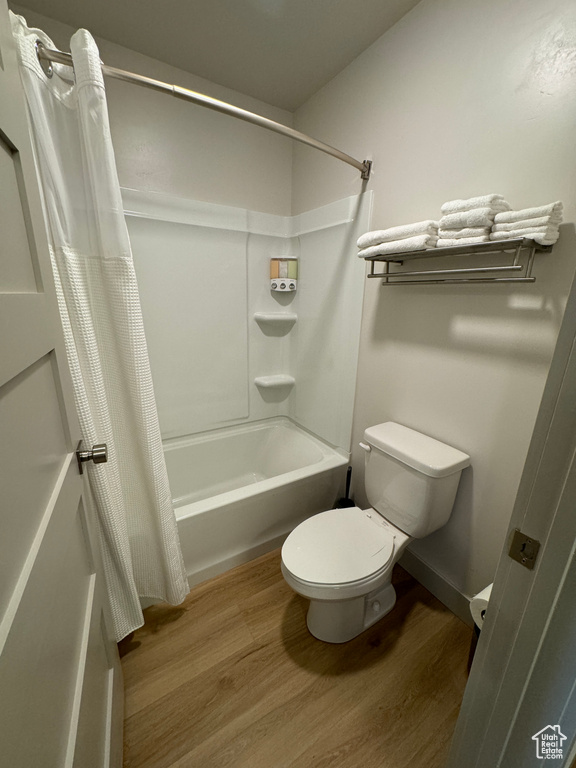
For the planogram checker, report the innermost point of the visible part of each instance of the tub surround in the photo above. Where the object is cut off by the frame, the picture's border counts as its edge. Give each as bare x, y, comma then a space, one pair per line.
224, 348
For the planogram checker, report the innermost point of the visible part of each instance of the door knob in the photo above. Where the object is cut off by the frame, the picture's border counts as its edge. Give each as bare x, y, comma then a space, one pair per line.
98, 454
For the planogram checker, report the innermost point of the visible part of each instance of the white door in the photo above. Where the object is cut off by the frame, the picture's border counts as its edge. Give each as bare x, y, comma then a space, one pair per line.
60, 681
523, 679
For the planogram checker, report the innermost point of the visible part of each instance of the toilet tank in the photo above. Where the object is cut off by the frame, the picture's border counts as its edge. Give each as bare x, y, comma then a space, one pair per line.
411, 479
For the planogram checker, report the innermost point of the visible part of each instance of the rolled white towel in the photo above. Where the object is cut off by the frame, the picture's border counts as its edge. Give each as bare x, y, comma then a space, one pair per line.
465, 232
494, 202
479, 217
538, 221
542, 235
427, 227
552, 209
445, 242
416, 243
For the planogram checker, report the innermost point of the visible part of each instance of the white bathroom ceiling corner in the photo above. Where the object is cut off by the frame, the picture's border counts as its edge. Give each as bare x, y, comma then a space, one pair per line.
279, 51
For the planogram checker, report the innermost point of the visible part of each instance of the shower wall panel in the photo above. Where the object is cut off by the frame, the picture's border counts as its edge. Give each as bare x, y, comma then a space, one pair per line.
192, 283
324, 344
324, 347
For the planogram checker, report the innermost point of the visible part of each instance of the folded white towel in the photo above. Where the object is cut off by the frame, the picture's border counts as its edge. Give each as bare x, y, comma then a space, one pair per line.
401, 232
551, 229
479, 217
553, 209
416, 243
494, 202
465, 232
542, 235
445, 242
538, 221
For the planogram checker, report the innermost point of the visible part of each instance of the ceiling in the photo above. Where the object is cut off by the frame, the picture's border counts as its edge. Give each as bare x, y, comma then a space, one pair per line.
279, 51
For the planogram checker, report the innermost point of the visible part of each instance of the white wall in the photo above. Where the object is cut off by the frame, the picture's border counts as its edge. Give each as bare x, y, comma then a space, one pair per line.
459, 98
167, 145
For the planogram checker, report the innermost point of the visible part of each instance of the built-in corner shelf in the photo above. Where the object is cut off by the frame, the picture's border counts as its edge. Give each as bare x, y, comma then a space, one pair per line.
279, 320
520, 252
275, 381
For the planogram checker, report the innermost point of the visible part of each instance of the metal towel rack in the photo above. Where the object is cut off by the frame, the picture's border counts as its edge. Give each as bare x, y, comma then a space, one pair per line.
516, 248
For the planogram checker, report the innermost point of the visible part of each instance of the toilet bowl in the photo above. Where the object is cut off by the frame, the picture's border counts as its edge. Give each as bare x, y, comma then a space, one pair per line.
342, 560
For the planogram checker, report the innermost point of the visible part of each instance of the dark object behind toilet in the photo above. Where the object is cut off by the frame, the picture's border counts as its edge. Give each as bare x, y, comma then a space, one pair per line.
346, 501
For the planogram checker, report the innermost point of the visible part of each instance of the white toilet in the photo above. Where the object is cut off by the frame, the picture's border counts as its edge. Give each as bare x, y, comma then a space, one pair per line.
342, 560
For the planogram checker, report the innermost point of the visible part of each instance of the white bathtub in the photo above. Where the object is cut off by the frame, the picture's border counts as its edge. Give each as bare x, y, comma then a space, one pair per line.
238, 492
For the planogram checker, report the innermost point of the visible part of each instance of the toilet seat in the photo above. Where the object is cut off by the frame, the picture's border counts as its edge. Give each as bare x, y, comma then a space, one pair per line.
340, 547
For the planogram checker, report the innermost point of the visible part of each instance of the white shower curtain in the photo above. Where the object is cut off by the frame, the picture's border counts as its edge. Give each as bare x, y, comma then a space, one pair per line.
103, 329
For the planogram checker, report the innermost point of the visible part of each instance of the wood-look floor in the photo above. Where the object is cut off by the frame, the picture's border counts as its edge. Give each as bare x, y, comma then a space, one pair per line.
232, 679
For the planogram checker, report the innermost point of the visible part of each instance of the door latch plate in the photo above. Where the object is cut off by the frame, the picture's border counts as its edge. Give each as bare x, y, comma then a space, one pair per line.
523, 549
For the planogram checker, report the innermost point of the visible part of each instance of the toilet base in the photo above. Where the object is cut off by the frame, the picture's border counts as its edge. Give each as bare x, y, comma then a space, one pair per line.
337, 621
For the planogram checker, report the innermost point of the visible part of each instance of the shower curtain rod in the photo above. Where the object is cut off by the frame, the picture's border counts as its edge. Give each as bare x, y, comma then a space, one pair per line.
47, 55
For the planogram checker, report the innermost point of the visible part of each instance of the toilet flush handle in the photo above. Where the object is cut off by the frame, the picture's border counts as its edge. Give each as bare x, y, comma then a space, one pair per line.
365, 447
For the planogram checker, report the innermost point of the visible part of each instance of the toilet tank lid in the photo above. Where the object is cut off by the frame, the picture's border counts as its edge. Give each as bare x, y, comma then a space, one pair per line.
427, 455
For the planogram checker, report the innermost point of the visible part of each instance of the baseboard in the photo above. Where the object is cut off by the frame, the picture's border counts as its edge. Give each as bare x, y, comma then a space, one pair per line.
447, 593
197, 577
